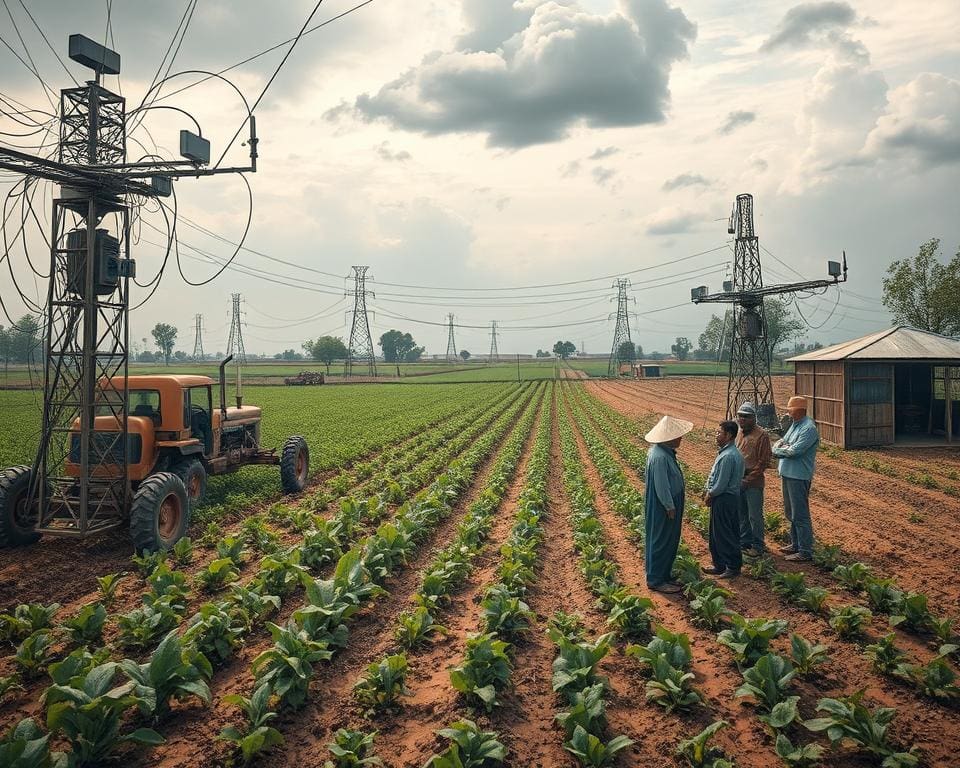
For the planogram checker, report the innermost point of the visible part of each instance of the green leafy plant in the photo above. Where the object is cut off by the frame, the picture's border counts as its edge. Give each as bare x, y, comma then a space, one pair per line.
168, 585
569, 625
485, 669
26, 619
592, 750
253, 604
804, 655
280, 574
827, 556
674, 646
849, 621
9, 683
212, 535
258, 736
749, 639
87, 626
936, 678
587, 710
469, 748
813, 599
218, 574
884, 654
943, 628
322, 544
630, 615
142, 627
416, 627
671, 687
850, 719
257, 535
183, 552
789, 585
383, 684
686, 569
288, 666
800, 756
574, 668
147, 562
34, 654
216, 630
108, 587
768, 681
772, 522
699, 754
231, 547
854, 576
25, 746
761, 568
912, 613
710, 609
351, 749
882, 595
172, 672
505, 615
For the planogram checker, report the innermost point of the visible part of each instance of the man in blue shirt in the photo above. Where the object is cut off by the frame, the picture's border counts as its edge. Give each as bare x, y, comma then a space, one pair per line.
797, 452
722, 495
663, 502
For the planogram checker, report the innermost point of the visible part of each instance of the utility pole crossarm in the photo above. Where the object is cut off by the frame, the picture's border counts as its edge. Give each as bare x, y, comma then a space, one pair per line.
730, 297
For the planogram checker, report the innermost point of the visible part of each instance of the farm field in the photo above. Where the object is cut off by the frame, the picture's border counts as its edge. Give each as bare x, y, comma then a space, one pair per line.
464, 575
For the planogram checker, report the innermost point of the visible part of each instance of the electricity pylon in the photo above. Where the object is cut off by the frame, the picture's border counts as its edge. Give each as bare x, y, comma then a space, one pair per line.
451, 344
494, 352
360, 348
749, 377
235, 340
198, 338
621, 332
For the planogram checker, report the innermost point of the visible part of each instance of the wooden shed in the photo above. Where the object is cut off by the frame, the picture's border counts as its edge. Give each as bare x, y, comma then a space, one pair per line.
890, 387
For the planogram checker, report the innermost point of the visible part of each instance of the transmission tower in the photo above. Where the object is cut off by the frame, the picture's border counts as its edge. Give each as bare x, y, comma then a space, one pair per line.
198, 338
451, 344
621, 332
235, 340
494, 352
79, 480
749, 377
360, 349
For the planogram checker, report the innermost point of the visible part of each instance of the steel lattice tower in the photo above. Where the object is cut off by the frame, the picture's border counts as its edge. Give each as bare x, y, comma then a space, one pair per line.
198, 338
621, 332
451, 344
494, 352
235, 340
360, 349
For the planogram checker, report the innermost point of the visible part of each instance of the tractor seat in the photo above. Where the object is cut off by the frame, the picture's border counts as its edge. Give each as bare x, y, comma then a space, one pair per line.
144, 409
243, 412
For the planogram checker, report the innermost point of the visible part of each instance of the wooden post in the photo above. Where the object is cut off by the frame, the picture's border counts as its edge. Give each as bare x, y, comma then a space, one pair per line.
948, 402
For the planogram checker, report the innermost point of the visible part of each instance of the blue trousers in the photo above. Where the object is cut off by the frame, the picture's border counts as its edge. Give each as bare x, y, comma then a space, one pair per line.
725, 532
796, 508
661, 540
751, 518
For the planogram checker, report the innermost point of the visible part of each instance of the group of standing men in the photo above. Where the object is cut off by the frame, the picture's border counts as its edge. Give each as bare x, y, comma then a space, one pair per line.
734, 492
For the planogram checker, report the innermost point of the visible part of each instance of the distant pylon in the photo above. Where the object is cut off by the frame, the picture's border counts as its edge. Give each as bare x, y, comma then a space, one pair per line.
622, 331
235, 341
494, 353
451, 344
360, 350
198, 338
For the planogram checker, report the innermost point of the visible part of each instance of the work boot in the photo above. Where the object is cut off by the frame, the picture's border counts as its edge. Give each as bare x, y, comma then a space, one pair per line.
789, 549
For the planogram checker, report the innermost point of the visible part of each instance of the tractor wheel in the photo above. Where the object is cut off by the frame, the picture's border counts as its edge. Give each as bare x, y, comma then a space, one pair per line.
194, 477
16, 519
294, 464
160, 513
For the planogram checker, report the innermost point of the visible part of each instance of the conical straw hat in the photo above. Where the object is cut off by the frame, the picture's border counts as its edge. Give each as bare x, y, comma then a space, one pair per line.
667, 429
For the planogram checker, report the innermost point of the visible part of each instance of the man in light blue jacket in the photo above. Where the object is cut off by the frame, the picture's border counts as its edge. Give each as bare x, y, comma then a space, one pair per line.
797, 452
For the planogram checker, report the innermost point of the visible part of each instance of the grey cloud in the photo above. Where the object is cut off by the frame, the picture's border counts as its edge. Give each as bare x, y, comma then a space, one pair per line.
384, 151
603, 152
602, 175
491, 22
802, 22
502, 203
671, 222
570, 169
685, 180
565, 67
735, 120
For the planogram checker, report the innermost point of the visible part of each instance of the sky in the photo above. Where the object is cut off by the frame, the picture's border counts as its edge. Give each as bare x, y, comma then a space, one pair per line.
506, 161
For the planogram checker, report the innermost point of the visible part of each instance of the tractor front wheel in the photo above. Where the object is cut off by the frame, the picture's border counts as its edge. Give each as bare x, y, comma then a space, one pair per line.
194, 477
160, 513
16, 518
294, 464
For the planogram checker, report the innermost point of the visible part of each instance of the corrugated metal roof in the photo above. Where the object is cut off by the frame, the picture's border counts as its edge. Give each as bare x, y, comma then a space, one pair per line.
901, 342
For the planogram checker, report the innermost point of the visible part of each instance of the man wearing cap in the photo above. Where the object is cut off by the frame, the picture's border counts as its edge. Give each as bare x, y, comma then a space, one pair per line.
722, 495
754, 443
663, 502
797, 452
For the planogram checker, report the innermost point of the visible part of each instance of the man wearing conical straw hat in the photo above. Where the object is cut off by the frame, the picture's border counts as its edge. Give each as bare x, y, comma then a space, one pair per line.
664, 501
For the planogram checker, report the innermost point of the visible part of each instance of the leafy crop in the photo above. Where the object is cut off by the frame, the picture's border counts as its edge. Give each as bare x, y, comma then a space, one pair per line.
383, 684
172, 672
912, 613
288, 666
351, 749
699, 754
108, 587
218, 574
485, 669
416, 627
804, 655
574, 668
34, 654
884, 654
593, 751
768, 681
469, 748
257, 737
850, 620
749, 639
25, 746
854, 576
87, 626
26, 619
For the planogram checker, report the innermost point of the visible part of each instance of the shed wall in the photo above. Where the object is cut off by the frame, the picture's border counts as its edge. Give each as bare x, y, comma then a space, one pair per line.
822, 383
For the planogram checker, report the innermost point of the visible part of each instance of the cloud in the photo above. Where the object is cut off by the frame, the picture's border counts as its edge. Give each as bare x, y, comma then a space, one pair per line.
570, 169
384, 151
565, 67
671, 221
922, 120
602, 175
735, 120
685, 180
603, 152
803, 23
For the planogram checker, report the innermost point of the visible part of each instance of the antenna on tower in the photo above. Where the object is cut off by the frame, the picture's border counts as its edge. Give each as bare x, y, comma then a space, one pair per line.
494, 352
451, 344
360, 348
749, 378
621, 332
235, 340
198, 338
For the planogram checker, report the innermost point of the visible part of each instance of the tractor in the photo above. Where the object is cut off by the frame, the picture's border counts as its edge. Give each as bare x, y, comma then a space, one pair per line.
175, 439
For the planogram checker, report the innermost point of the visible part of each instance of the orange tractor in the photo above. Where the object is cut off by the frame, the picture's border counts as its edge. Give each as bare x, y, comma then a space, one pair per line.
175, 439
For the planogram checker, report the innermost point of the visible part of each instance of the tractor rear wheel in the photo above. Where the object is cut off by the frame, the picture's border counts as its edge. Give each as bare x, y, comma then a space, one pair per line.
194, 477
160, 513
294, 464
16, 519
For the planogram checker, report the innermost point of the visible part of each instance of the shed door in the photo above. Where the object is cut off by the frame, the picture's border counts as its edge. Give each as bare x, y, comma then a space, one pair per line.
871, 404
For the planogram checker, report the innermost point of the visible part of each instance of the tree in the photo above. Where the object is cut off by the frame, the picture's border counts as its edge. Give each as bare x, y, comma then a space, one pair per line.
783, 326
464, 354
146, 357
682, 348
24, 340
396, 345
563, 349
717, 329
627, 352
923, 292
164, 336
179, 355
326, 349
541, 353
414, 354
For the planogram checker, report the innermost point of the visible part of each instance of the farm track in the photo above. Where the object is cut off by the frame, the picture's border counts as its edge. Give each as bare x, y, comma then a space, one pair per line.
409, 734
929, 725
867, 513
191, 731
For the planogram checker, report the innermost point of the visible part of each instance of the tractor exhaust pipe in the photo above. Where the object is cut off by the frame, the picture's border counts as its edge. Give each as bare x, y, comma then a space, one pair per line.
223, 386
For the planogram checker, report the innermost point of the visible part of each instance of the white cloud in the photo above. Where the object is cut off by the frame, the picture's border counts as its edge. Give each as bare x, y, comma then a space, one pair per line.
735, 120
671, 221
